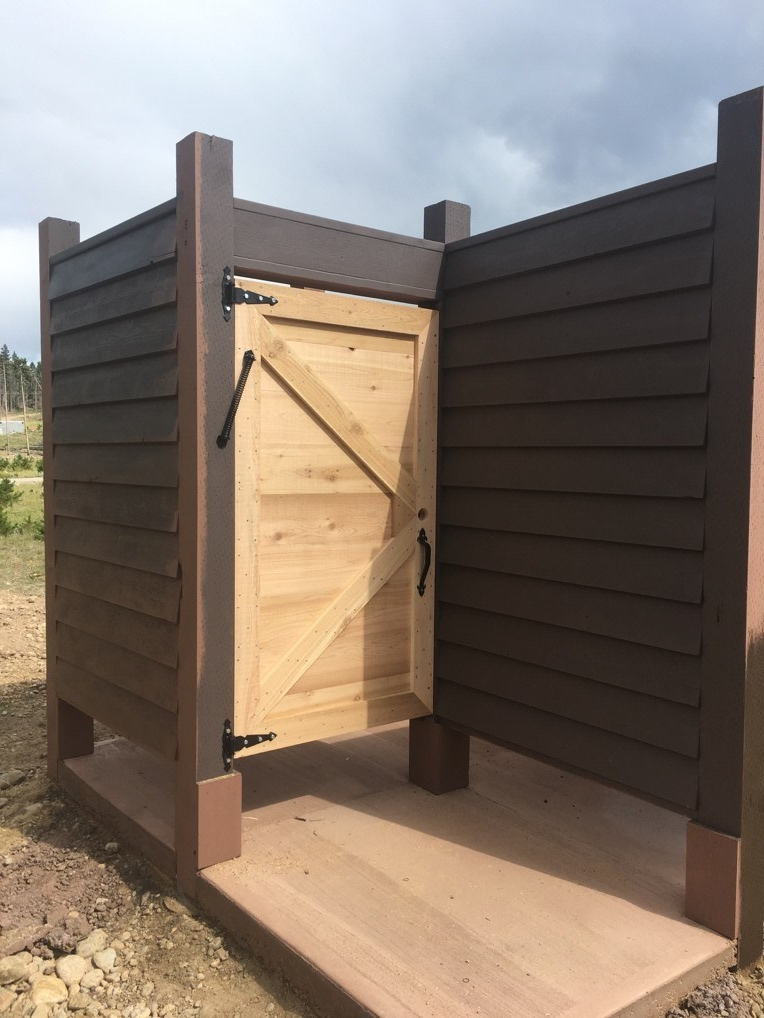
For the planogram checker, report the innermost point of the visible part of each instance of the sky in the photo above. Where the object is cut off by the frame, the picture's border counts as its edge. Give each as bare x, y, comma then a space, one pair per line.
358, 111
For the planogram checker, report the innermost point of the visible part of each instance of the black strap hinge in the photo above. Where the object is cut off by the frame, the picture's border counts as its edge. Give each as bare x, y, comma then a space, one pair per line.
236, 743
236, 295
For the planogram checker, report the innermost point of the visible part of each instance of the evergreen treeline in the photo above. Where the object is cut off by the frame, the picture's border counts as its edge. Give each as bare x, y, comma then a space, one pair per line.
20, 382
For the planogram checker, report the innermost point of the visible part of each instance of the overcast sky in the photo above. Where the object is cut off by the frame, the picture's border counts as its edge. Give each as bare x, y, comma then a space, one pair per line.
358, 111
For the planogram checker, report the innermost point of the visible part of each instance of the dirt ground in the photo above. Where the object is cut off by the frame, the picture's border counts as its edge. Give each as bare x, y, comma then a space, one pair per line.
63, 875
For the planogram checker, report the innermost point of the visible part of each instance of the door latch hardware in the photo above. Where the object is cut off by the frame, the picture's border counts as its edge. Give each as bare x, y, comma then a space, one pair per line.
246, 367
236, 743
232, 294
422, 539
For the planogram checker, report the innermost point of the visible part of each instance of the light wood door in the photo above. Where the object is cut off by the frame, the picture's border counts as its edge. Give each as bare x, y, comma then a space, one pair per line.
335, 446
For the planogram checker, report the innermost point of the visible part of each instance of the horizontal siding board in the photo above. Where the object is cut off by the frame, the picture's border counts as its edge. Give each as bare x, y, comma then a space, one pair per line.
152, 288
149, 637
653, 572
146, 421
143, 378
676, 370
672, 726
672, 421
657, 268
648, 769
147, 244
669, 473
147, 592
636, 221
290, 247
150, 508
659, 522
124, 713
146, 465
139, 675
655, 320
148, 550
649, 670
136, 336
670, 625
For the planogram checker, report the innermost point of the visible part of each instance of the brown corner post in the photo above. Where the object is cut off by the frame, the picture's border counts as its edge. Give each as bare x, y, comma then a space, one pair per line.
207, 801
725, 847
439, 757
70, 732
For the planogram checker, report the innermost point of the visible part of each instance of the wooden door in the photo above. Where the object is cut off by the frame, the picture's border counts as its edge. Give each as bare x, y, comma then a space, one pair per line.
335, 445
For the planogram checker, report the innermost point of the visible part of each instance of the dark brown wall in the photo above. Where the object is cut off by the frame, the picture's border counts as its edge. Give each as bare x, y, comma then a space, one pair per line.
573, 424
114, 471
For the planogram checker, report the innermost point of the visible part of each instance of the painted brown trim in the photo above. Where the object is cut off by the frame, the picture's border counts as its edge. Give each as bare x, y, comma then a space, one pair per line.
70, 732
731, 797
291, 247
205, 527
219, 800
712, 882
126, 227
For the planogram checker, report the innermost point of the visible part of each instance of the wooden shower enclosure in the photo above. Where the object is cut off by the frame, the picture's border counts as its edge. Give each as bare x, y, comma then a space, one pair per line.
565, 414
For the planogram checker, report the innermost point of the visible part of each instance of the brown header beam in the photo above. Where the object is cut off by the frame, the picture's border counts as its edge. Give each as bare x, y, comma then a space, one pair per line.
731, 794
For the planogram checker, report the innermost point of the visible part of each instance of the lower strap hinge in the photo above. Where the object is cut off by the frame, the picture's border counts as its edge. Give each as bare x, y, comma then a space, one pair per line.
236, 743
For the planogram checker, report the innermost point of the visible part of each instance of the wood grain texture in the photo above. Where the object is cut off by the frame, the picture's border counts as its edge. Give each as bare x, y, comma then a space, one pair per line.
653, 572
678, 421
676, 264
131, 506
149, 637
131, 671
144, 378
644, 669
152, 288
307, 250
680, 369
667, 473
661, 774
637, 322
670, 625
143, 247
671, 726
144, 465
644, 219
642, 520
137, 335
144, 591
132, 716
121, 423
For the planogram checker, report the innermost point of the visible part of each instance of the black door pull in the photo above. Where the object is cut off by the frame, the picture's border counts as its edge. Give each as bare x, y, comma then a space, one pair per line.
422, 539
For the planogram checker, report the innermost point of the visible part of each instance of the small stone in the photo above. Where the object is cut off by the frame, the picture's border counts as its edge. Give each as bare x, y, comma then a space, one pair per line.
71, 968
13, 969
11, 778
91, 979
222, 954
4, 802
32, 810
41, 1011
93, 943
117, 945
111, 846
7, 997
173, 905
49, 990
105, 960
147, 989
270, 1007
79, 1001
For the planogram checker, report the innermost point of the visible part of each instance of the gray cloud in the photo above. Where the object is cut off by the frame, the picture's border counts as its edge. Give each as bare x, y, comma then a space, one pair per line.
357, 111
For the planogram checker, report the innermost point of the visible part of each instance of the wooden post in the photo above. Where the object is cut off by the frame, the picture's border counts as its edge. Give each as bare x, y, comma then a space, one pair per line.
207, 801
70, 732
439, 757
725, 876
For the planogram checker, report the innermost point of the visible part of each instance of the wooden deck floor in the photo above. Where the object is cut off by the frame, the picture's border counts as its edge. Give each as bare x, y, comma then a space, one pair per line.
534, 893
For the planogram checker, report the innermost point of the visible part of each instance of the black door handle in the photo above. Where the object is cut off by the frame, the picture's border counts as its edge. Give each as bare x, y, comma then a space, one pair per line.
422, 539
